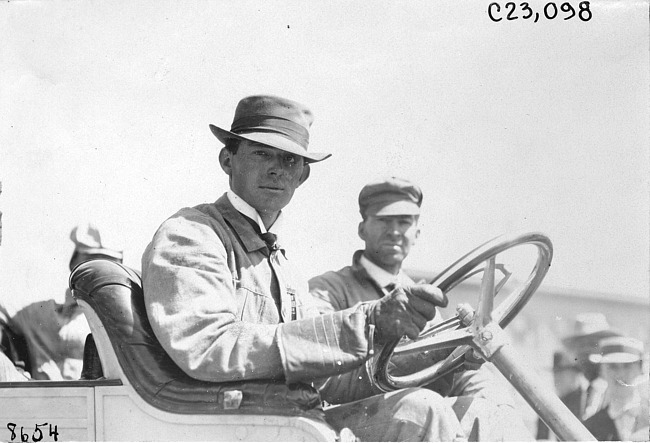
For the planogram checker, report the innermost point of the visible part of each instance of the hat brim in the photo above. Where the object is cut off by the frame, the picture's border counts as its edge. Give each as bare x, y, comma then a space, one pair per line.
273, 140
583, 340
101, 251
614, 357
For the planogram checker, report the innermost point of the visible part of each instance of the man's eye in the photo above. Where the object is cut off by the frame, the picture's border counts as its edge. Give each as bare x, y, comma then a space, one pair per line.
261, 153
291, 159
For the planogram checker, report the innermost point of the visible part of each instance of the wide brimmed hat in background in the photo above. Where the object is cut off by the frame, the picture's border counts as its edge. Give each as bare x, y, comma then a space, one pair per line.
618, 350
273, 121
589, 329
87, 239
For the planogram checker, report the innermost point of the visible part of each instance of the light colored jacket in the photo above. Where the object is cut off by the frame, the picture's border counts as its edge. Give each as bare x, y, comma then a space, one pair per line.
211, 299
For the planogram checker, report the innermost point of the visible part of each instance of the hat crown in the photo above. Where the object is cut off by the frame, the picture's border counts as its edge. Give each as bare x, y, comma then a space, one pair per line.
87, 239
390, 196
254, 106
589, 323
273, 121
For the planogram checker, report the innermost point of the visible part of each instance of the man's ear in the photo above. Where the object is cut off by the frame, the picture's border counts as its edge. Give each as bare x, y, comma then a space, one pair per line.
306, 170
361, 230
225, 160
417, 233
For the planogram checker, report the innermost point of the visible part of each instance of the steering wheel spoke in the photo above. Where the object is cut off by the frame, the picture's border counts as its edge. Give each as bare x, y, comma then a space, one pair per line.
459, 331
486, 297
450, 339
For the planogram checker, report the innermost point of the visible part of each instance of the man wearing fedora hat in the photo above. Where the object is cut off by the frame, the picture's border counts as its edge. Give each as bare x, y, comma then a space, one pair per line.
625, 415
390, 211
226, 305
588, 330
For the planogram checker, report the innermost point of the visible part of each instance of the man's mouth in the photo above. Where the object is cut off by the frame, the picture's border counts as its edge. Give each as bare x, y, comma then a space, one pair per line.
272, 188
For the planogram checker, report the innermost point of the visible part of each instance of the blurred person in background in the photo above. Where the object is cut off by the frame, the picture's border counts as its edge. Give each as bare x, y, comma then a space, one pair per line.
48, 336
570, 385
589, 329
625, 415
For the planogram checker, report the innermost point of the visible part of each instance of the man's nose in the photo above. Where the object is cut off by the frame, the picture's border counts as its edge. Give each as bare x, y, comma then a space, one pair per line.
276, 164
393, 229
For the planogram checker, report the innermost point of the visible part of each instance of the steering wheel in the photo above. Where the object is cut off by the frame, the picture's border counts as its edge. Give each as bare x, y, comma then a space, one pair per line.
459, 331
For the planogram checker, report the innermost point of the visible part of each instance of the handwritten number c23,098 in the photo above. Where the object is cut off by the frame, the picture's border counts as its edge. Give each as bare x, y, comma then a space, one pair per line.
550, 11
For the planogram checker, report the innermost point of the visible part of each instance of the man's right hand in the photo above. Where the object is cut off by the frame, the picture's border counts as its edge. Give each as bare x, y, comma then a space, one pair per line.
405, 311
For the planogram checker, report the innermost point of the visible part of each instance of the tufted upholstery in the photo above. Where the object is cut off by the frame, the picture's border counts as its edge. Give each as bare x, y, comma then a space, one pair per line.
115, 294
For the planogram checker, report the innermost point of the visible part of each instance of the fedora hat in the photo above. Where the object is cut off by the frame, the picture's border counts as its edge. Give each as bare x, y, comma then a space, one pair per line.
618, 350
589, 328
89, 242
273, 121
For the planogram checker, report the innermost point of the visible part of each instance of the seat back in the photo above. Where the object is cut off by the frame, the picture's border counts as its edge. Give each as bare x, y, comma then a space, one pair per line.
114, 293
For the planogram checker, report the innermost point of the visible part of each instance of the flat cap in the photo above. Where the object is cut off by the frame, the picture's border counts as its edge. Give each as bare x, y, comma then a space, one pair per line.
390, 196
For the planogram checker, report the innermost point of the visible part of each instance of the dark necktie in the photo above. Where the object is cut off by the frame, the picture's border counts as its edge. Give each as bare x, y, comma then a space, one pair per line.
271, 240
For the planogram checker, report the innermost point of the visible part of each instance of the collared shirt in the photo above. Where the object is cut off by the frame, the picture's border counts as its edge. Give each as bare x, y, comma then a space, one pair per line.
240, 205
381, 276
628, 414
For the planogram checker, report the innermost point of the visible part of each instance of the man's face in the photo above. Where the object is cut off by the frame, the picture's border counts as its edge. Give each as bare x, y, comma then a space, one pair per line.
264, 177
389, 239
622, 374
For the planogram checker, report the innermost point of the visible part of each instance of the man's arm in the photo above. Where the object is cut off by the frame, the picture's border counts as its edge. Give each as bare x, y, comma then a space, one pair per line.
194, 310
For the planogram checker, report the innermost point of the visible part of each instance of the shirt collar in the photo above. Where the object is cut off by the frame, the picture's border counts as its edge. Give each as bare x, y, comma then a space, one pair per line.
628, 406
240, 205
378, 274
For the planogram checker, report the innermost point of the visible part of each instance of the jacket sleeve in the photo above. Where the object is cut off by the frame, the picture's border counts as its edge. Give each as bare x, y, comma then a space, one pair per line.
191, 303
328, 295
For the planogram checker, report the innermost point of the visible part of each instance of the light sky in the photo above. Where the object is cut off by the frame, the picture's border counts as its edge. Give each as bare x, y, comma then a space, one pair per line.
509, 126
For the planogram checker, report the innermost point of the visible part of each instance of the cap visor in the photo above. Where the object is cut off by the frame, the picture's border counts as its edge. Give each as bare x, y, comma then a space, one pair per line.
272, 140
579, 341
401, 207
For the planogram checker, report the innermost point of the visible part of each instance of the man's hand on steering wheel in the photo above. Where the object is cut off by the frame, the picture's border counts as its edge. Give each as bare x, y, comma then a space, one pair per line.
405, 311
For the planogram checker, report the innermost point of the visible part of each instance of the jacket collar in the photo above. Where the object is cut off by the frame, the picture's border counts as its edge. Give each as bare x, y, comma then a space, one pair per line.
362, 275
238, 223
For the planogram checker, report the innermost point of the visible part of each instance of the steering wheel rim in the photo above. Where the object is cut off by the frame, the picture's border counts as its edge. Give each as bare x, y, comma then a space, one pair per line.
452, 333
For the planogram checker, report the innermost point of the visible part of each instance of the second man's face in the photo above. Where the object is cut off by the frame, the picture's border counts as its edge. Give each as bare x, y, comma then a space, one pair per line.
389, 239
265, 177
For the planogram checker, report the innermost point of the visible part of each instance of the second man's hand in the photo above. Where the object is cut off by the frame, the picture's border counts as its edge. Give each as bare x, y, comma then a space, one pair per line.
405, 311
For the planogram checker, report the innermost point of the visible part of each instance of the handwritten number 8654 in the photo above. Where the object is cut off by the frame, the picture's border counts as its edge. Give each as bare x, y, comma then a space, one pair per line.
550, 11
36, 436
